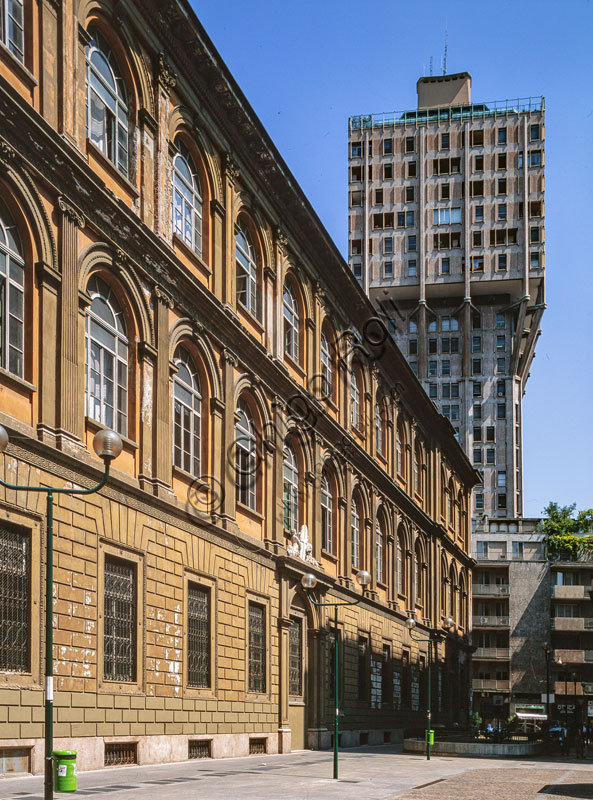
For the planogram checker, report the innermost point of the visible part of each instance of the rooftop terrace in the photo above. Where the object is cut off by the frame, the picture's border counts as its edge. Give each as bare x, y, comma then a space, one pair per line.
497, 108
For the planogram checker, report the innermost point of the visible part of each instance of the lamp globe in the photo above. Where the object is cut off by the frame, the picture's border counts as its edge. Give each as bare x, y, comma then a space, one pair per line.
107, 444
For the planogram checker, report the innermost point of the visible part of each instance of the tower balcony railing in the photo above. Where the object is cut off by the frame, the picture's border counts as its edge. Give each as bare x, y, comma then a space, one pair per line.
482, 684
570, 592
572, 623
492, 652
490, 621
491, 589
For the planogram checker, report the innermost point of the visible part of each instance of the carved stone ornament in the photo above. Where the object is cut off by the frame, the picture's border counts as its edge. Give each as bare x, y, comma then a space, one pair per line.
229, 357
301, 547
278, 403
166, 76
163, 297
231, 170
69, 211
281, 239
7, 153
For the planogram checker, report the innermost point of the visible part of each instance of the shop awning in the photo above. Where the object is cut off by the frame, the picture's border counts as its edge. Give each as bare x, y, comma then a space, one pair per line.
531, 715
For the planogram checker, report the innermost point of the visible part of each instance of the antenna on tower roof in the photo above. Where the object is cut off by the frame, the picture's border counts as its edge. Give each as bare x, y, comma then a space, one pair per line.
431, 66
445, 53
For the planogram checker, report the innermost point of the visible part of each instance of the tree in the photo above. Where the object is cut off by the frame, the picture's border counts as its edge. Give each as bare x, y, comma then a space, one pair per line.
567, 535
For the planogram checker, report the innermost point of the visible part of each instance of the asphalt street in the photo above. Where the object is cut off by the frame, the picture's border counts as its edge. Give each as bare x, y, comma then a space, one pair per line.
366, 773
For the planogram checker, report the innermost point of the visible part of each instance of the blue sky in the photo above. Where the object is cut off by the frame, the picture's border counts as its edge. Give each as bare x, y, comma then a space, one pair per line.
306, 67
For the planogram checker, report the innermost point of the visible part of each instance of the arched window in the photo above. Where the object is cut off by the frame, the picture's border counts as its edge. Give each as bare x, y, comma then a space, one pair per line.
400, 566
291, 489
327, 372
291, 323
444, 583
458, 505
453, 594
451, 504
417, 470
246, 260
187, 200
11, 26
106, 358
380, 549
327, 515
12, 284
463, 602
379, 428
355, 414
107, 105
187, 414
355, 533
400, 442
246, 456
419, 577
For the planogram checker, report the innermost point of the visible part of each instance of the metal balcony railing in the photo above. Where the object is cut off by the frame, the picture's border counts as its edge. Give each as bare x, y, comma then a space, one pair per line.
500, 685
492, 652
572, 623
490, 621
491, 589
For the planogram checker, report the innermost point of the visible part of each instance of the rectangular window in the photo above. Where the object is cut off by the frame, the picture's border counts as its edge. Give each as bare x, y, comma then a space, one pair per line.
446, 241
356, 174
198, 636
500, 321
501, 410
388, 269
477, 389
356, 198
363, 668
477, 455
480, 507
501, 186
409, 144
454, 412
412, 268
445, 266
15, 600
500, 340
490, 455
477, 433
356, 247
478, 163
446, 216
501, 136
501, 211
501, 501
388, 245
356, 149
476, 138
534, 234
387, 147
477, 411
446, 391
445, 139
413, 347
432, 391
432, 368
477, 263
446, 166
119, 627
411, 169
388, 171
501, 161
445, 368
535, 208
445, 191
476, 344
477, 189
411, 244
357, 271
401, 219
490, 433
479, 213
534, 133
501, 262
501, 479
500, 388
378, 197
414, 367
432, 347
476, 238
500, 366
534, 260
409, 219
535, 158
257, 648
409, 194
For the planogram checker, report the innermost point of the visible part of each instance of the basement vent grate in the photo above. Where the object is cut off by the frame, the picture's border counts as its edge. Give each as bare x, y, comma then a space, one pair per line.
120, 753
257, 747
200, 748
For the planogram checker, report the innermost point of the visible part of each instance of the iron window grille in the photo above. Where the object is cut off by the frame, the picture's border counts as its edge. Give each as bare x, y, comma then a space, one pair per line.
15, 602
295, 658
198, 637
257, 648
119, 660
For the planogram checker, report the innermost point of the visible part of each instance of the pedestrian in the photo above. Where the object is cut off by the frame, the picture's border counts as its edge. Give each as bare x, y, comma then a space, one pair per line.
579, 744
565, 747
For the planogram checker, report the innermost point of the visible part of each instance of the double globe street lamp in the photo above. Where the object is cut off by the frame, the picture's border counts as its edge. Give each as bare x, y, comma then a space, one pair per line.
107, 445
433, 636
309, 582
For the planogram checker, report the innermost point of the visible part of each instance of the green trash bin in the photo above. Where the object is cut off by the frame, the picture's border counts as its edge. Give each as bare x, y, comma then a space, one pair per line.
429, 737
64, 770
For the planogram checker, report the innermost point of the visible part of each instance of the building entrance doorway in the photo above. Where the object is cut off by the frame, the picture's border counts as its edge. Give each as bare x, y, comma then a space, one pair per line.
297, 677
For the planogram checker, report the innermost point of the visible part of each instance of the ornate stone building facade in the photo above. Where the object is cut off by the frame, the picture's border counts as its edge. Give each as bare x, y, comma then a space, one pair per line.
162, 274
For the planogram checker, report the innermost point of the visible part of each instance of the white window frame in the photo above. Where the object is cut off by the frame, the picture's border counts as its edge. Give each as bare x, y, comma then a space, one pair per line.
246, 261
12, 297
291, 323
186, 200
246, 457
290, 472
325, 358
327, 515
355, 534
13, 28
187, 415
354, 400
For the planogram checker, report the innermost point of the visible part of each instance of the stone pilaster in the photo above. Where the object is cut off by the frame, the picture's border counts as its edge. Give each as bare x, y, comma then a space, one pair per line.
162, 459
229, 287
71, 405
229, 363
48, 282
147, 362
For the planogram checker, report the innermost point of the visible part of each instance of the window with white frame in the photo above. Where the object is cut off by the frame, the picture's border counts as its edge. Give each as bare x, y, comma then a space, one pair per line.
379, 427
107, 106
355, 400
290, 489
379, 545
246, 456
106, 358
326, 366
12, 284
400, 568
186, 206
446, 216
355, 534
291, 323
12, 27
187, 414
246, 261
327, 515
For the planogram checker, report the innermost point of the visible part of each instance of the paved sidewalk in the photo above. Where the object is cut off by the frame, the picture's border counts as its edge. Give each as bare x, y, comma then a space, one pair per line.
366, 773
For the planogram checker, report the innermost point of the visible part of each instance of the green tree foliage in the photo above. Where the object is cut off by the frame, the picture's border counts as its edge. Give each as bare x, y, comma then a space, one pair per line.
568, 535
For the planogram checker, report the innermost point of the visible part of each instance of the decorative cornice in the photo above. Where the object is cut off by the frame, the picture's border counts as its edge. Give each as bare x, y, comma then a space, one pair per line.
229, 357
166, 76
163, 297
70, 211
281, 240
7, 153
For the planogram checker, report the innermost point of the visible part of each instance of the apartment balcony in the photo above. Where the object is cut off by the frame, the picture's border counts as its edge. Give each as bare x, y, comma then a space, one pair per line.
570, 592
572, 623
490, 589
490, 622
489, 557
481, 684
569, 688
490, 653
573, 656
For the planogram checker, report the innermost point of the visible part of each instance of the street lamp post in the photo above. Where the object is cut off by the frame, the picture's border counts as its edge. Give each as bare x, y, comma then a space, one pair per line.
309, 582
547, 650
434, 636
107, 445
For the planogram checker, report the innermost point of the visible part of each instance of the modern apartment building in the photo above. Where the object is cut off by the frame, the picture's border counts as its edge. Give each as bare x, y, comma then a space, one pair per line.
446, 235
